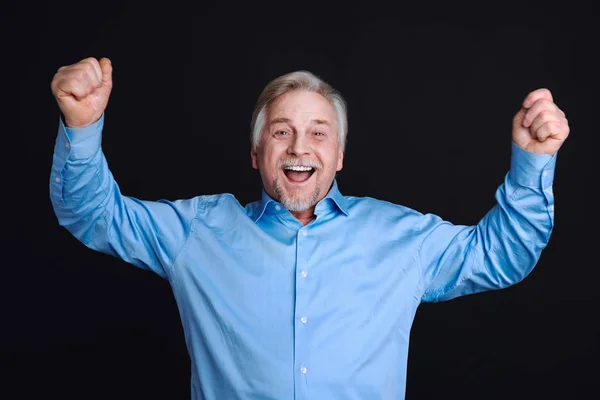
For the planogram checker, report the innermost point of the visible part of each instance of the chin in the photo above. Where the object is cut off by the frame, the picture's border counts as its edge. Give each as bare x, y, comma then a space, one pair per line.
301, 200
297, 205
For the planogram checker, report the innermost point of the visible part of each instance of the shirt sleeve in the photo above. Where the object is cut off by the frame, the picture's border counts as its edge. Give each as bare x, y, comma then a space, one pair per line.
88, 203
503, 248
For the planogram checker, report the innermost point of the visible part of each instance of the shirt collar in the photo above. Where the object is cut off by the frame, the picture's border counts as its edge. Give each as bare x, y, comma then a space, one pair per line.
333, 200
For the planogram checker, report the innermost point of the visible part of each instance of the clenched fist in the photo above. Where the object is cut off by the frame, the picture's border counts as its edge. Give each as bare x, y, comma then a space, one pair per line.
82, 90
540, 126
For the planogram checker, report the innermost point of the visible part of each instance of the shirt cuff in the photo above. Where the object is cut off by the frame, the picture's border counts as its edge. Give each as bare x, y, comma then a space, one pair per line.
81, 143
531, 169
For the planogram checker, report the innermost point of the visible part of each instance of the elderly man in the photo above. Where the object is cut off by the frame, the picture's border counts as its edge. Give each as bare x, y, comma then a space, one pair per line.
306, 293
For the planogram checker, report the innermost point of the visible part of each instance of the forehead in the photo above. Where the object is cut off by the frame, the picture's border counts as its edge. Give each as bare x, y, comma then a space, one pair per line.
301, 105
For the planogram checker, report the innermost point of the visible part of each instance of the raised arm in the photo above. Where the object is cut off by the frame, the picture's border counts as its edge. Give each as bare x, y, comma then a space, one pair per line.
87, 200
506, 244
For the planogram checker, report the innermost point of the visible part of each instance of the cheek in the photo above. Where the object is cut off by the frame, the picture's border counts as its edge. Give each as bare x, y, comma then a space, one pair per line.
274, 152
267, 161
331, 157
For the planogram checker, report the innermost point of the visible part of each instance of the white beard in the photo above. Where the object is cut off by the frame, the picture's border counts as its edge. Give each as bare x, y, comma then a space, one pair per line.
295, 203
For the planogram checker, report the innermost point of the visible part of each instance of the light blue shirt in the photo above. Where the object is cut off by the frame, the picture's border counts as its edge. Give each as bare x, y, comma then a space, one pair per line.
272, 309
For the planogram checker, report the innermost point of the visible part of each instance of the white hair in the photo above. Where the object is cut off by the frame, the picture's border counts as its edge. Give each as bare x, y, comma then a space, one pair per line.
298, 80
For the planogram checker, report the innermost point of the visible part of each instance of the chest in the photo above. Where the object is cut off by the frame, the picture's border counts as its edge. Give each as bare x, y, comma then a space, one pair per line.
269, 276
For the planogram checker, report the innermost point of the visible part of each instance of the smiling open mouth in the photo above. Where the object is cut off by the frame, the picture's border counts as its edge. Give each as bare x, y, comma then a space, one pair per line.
298, 173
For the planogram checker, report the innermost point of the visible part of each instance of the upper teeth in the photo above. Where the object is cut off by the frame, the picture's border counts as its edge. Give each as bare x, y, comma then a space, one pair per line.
299, 168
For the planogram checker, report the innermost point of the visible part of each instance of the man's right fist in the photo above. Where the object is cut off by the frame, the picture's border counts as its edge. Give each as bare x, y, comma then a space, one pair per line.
82, 90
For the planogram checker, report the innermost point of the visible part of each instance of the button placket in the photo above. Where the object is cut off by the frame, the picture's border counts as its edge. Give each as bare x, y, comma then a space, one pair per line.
302, 301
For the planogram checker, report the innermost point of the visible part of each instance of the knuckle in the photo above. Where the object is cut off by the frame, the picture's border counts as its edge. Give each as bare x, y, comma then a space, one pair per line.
545, 93
80, 75
544, 104
546, 115
64, 85
54, 85
74, 83
89, 60
87, 66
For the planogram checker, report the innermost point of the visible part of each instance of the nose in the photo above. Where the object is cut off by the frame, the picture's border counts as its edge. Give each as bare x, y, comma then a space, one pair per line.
299, 145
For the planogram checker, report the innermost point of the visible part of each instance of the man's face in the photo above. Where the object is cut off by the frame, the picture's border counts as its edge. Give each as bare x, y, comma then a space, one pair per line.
299, 151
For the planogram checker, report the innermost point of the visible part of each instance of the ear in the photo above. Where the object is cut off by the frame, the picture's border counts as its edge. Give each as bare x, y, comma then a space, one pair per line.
340, 162
254, 159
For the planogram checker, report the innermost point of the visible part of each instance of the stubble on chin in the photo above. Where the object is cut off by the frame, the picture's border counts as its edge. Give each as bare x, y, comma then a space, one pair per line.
295, 203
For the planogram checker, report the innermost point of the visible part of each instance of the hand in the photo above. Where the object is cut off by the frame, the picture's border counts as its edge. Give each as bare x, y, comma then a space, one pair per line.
82, 90
540, 126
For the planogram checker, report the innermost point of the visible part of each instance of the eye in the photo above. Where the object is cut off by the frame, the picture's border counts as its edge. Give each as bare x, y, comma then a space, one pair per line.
319, 134
282, 133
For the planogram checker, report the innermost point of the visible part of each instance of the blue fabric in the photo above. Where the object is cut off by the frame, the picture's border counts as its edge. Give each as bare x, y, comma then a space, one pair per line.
272, 309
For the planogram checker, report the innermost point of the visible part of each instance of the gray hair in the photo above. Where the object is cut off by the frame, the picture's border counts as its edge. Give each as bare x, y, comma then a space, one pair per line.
298, 80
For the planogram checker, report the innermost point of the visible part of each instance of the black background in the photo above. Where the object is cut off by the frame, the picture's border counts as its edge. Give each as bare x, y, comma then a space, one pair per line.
431, 88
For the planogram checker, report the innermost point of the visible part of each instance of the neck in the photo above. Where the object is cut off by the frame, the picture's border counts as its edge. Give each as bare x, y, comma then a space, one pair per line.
304, 216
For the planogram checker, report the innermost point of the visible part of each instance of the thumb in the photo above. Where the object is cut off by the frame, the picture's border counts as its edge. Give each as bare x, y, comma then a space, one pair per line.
106, 67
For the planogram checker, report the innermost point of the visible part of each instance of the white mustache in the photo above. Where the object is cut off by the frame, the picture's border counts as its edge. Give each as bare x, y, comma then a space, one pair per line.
299, 163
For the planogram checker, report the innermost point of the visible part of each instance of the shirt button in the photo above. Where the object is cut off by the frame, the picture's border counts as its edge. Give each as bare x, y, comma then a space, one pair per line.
68, 145
304, 274
57, 179
278, 207
303, 320
545, 172
304, 233
303, 370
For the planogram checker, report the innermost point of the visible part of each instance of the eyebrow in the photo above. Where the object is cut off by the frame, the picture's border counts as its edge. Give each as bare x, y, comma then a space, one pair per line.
289, 121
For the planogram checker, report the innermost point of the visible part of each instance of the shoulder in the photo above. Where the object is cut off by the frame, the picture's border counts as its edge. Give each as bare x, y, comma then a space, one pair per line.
221, 202
369, 206
385, 212
203, 205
